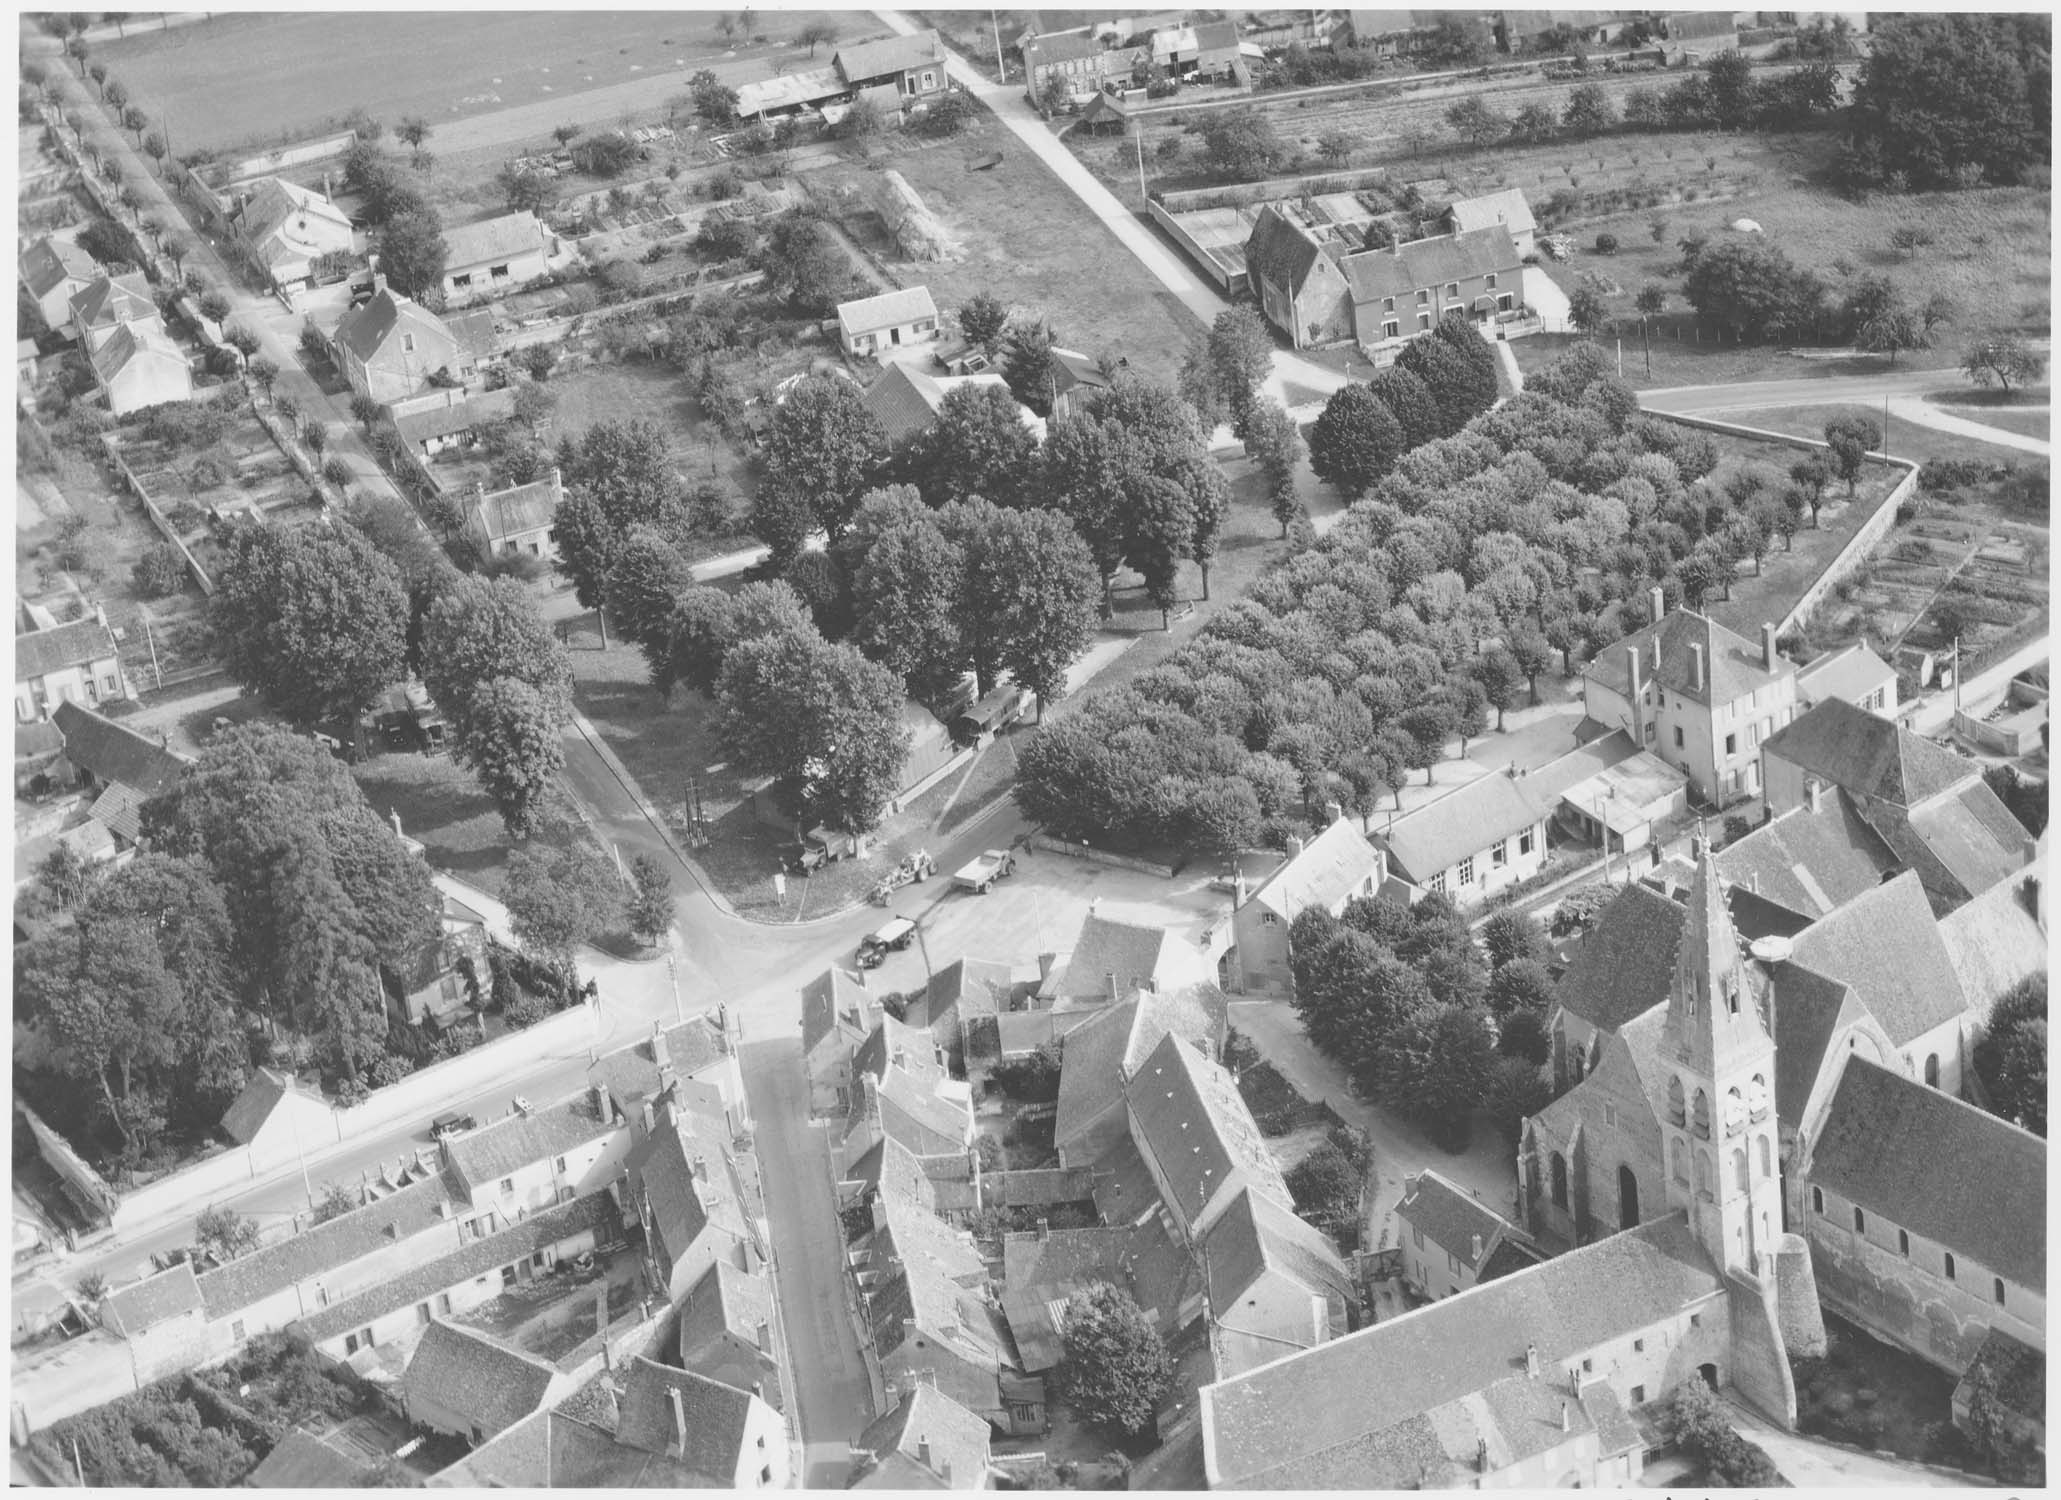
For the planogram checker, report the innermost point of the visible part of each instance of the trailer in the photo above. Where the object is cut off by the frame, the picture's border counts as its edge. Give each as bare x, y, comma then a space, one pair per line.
822, 846
891, 938
981, 874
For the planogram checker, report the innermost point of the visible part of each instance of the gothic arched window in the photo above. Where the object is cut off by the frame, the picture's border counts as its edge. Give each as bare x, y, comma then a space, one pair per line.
1767, 1158
1739, 1180
1559, 1180
1677, 1111
1702, 1115
1681, 1164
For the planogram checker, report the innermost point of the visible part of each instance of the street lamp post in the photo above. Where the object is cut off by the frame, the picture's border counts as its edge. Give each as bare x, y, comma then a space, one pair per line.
673, 976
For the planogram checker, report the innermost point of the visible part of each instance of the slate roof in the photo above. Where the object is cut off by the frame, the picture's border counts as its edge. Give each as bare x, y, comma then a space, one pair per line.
472, 330
1400, 271
142, 1305
1507, 208
1974, 835
120, 808
114, 299
727, 1303
931, 1293
596, 1211
1041, 1271
1465, 821
1626, 960
1809, 862
37, 738
1197, 1127
1885, 945
1135, 953
1335, 866
1059, 46
1124, 1189
302, 1461
1254, 1235
683, 1205
862, 61
1940, 1168
1318, 1419
348, 1237
632, 1073
716, 1416
1097, 1055
481, 1158
1280, 250
1449, 1217
1995, 941
132, 342
454, 417
364, 330
913, 1112
521, 509
50, 262
1869, 756
253, 1105
112, 752
905, 400
38, 653
928, 1441
1731, 664
972, 987
274, 201
490, 1384
828, 996
1073, 368
887, 310
502, 238
1810, 1010
573, 1455
1846, 674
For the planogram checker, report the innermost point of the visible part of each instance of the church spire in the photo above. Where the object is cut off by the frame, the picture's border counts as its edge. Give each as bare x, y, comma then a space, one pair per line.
1713, 1020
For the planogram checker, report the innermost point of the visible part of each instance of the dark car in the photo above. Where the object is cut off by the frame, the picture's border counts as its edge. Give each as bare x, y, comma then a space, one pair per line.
450, 1125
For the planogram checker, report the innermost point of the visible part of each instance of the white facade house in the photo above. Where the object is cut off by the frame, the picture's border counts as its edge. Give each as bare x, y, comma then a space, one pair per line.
874, 325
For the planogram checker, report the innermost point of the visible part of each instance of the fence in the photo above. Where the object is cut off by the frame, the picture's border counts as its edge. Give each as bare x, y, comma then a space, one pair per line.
157, 517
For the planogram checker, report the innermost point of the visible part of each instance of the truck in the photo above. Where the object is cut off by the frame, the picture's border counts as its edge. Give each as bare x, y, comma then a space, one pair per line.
891, 938
820, 847
981, 874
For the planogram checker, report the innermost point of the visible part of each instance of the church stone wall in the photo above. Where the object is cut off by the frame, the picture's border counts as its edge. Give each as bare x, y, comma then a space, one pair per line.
1896, 1298
1760, 1365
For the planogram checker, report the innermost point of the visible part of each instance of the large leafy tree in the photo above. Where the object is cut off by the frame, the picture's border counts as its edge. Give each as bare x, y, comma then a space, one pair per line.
979, 445
481, 629
1438, 1068
1453, 384
826, 449
805, 264
1410, 402
617, 474
908, 577
1038, 589
560, 897
412, 253
1027, 364
1113, 1367
1241, 352
311, 618
1355, 440
516, 747
2011, 1059
1162, 534
645, 575
1752, 288
793, 705
1942, 95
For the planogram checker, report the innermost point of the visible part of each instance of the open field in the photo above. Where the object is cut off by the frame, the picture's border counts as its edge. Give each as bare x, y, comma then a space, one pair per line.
2022, 411
652, 393
1027, 239
1906, 439
249, 78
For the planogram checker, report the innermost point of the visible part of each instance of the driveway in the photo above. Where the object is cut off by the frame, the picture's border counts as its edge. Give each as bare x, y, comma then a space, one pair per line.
1811, 1464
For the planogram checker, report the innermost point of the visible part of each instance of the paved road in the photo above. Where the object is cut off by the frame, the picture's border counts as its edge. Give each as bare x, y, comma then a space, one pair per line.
1165, 263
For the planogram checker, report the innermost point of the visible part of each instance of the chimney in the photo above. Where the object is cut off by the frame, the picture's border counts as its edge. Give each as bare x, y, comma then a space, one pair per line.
678, 1445
1696, 668
1632, 664
1566, 1417
397, 824
557, 477
1294, 846
1767, 646
1109, 976
1753, 882
1657, 600
1655, 658
378, 279
1333, 813
1474, 1250
100, 614
1531, 1360
1238, 888
923, 1452
1814, 793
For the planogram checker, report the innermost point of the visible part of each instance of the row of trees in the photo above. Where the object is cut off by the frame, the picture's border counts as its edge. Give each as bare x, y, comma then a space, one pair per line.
408, 233
1435, 387
1952, 100
1541, 525
1723, 95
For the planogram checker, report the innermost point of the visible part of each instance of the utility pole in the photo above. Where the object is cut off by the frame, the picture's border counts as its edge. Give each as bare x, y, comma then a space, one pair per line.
156, 670
673, 975
1138, 140
1885, 427
1001, 67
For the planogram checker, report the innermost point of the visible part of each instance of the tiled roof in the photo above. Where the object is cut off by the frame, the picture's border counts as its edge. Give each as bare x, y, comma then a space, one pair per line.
725, 1303
1463, 822
502, 238
887, 310
521, 509
1337, 864
1732, 665
1449, 1217
1117, 1041
1507, 208
826, 1000
274, 202
1625, 961
683, 1204
932, 1434
1124, 1190
1058, 47
302, 1461
1846, 674
50, 262
38, 653
454, 417
1041, 1270
1942, 1169
1071, 367
1995, 941
1134, 953
472, 330
485, 1381
1280, 250
1885, 945
972, 987
862, 61
36, 738
574, 1455
1197, 1127
142, 1305
1810, 1010
481, 1158
715, 1414
1974, 835
1869, 756
1399, 271
905, 400
632, 1073
933, 1291
253, 1106
596, 1211
112, 752
132, 342
120, 808
114, 299
914, 1112
365, 330
1810, 862
1255, 1234
1301, 1421
348, 1237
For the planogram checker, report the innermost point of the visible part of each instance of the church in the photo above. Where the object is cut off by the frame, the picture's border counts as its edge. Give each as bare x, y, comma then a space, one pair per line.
1530, 1379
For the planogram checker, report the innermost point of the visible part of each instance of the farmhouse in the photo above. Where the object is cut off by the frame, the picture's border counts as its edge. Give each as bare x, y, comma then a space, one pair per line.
289, 227
1402, 33
495, 256
55, 270
1507, 208
873, 325
391, 347
913, 65
72, 663
517, 520
1073, 60
1302, 289
1404, 290
907, 400
1471, 842
449, 417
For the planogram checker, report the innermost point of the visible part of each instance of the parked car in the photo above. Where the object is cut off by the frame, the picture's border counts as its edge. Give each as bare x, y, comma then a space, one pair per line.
445, 1126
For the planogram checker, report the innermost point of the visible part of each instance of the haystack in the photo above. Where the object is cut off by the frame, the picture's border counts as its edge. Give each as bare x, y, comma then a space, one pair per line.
917, 233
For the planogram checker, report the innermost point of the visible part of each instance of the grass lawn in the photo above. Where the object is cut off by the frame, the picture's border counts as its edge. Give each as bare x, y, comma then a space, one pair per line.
1764, 598
1906, 439
656, 393
1027, 239
2021, 411
1663, 362
443, 809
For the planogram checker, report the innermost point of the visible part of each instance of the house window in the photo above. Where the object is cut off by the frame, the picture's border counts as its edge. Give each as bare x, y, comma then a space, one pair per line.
1997, 1289
1524, 842
1948, 1265
1268, 919
766, 1474
1903, 1243
422, 1313
929, 80
508, 1184
1453, 1263
407, 343
1610, 1114
1491, 281
1437, 883
1817, 1200
1388, 304
1588, 1367
1860, 1221
462, 281
1418, 1236
1638, 1346
560, 1164
1423, 321
1391, 329
1452, 289
1695, 1320
1678, 736
1731, 744
1503, 302
508, 1276
1499, 855
498, 273
1638, 1395
113, 682
1467, 870
444, 1303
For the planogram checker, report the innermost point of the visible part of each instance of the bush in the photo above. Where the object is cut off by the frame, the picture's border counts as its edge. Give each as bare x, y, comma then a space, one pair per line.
214, 306
1033, 1079
1606, 244
159, 572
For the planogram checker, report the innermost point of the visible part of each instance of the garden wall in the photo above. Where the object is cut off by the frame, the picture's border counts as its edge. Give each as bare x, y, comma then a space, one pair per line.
158, 519
567, 1034
292, 156
68, 1164
1200, 258
1096, 856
